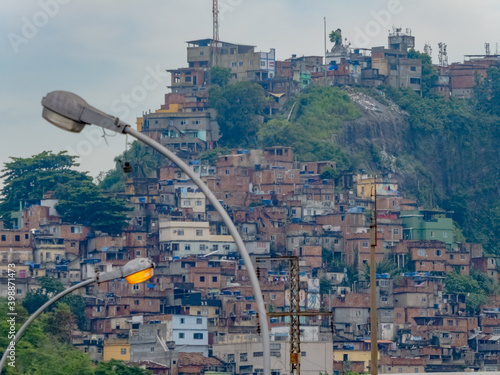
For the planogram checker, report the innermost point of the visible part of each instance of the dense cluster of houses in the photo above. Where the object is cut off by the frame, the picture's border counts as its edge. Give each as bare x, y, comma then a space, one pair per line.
197, 314
186, 124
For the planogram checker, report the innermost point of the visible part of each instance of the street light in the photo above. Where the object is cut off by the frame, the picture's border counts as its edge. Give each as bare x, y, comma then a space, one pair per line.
70, 112
135, 271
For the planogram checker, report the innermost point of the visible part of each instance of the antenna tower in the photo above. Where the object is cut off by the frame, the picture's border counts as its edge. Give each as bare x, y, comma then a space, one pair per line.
215, 38
443, 55
428, 49
487, 49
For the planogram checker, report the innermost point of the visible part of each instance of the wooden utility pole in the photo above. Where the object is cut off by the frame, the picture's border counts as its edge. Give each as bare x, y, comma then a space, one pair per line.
373, 287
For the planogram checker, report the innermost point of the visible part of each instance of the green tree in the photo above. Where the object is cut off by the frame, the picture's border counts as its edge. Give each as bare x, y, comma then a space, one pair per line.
487, 92
211, 156
429, 73
329, 173
219, 75
325, 285
475, 295
335, 37
278, 132
39, 352
85, 204
29, 178
238, 107
49, 287
115, 367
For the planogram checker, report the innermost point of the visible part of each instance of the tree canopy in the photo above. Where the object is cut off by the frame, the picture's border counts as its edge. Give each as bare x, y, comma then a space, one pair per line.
316, 117
84, 203
238, 107
44, 347
219, 75
29, 178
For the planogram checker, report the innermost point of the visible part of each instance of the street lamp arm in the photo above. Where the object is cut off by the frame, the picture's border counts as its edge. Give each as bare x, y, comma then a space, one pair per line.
232, 229
39, 311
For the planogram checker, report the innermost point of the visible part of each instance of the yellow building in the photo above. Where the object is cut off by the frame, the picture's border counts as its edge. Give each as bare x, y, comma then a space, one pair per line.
116, 349
354, 356
366, 184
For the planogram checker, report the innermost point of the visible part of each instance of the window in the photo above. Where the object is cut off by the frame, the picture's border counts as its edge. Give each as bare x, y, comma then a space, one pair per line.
432, 234
462, 256
187, 202
4, 237
364, 244
226, 247
136, 286
273, 296
450, 322
438, 253
182, 320
73, 244
445, 234
421, 253
395, 231
198, 203
203, 247
243, 357
214, 279
258, 354
451, 256
26, 236
262, 63
302, 354
136, 302
180, 232
18, 238
187, 247
202, 279
230, 358
181, 335
152, 349
199, 321
215, 247
123, 351
413, 69
240, 63
198, 336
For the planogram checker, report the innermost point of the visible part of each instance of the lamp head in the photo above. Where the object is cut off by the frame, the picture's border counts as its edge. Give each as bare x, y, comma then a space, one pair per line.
64, 110
138, 270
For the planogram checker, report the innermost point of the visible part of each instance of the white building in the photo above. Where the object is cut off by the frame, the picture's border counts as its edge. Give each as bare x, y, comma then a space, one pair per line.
185, 238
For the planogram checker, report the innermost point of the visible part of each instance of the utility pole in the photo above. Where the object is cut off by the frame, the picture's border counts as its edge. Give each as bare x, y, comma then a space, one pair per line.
324, 64
294, 313
373, 288
215, 25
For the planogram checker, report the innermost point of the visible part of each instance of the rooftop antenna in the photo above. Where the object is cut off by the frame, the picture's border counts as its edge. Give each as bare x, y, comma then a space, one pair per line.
487, 49
428, 49
443, 55
215, 38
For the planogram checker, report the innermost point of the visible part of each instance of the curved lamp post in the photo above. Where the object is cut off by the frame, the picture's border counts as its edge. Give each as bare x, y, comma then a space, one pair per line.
136, 271
70, 112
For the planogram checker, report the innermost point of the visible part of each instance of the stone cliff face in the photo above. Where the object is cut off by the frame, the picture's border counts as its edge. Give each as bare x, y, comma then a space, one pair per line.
385, 126
449, 161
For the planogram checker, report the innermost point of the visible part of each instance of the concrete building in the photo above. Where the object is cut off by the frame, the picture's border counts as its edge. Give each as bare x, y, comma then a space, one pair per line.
183, 238
190, 333
245, 353
245, 63
428, 225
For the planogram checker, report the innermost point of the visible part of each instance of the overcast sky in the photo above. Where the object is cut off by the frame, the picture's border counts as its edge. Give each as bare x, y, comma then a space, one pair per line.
107, 50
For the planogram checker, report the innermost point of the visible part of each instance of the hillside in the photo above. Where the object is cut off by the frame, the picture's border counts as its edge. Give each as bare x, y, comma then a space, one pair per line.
444, 154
